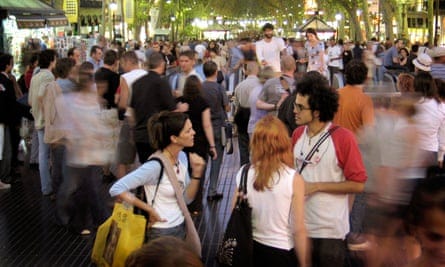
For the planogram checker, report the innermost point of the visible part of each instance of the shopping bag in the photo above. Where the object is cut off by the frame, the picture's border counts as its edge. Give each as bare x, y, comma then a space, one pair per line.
118, 237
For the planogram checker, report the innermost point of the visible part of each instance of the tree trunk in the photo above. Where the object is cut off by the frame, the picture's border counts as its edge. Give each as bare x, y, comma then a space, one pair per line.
123, 28
137, 31
367, 19
354, 25
430, 22
388, 14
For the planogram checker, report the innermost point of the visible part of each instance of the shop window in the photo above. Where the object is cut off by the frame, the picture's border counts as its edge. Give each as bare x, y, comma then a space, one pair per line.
412, 23
420, 23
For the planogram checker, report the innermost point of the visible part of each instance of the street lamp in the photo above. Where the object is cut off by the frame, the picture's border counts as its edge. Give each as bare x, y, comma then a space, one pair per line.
338, 18
113, 8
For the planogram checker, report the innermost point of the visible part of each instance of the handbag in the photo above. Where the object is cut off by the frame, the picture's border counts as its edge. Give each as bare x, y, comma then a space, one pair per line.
118, 236
236, 247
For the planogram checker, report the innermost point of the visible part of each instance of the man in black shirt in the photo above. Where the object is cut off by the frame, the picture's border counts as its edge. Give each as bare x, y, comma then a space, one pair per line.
8, 112
107, 79
151, 94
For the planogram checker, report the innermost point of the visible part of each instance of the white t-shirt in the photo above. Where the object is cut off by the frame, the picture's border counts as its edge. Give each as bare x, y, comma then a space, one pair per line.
271, 209
270, 52
430, 118
335, 52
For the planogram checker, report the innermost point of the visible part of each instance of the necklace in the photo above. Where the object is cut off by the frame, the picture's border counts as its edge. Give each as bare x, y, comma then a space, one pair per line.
175, 161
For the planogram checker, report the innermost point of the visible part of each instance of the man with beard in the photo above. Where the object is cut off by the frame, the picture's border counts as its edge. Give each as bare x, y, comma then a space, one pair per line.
268, 50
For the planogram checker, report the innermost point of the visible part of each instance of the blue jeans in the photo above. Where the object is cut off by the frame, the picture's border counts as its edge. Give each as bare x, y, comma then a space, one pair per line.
215, 165
176, 231
45, 177
57, 165
78, 198
357, 215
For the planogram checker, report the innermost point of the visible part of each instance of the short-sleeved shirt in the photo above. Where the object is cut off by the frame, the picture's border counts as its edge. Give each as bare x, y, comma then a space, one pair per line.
389, 55
338, 159
197, 106
151, 94
356, 109
273, 89
315, 53
270, 52
216, 97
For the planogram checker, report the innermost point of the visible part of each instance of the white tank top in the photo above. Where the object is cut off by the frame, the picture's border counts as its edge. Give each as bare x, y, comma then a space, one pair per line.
271, 209
130, 78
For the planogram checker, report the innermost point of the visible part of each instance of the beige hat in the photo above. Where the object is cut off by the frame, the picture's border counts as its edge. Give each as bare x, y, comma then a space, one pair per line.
437, 52
423, 62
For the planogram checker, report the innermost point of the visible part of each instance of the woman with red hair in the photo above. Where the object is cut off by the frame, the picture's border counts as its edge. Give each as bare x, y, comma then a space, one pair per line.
275, 191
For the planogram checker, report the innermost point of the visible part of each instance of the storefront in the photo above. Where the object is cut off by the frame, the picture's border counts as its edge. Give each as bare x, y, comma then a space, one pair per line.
28, 25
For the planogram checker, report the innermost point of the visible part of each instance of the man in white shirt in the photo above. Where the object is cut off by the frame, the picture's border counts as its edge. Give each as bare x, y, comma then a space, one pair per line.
335, 62
269, 49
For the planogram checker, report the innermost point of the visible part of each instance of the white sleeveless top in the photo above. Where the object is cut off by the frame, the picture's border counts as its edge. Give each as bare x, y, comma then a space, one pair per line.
271, 209
130, 78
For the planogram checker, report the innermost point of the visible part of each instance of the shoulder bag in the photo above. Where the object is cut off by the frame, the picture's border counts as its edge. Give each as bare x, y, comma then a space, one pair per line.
236, 247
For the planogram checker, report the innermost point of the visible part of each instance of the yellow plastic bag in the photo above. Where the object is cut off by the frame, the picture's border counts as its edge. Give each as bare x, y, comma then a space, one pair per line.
118, 236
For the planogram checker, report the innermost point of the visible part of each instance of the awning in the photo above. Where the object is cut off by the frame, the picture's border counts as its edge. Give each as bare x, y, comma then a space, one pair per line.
32, 14
56, 21
29, 22
316, 23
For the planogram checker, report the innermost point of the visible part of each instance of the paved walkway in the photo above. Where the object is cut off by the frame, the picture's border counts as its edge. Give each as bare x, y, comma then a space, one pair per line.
30, 237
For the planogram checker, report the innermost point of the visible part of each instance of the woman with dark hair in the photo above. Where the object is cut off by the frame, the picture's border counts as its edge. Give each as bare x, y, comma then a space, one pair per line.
315, 51
430, 118
169, 133
199, 114
403, 57
275, 191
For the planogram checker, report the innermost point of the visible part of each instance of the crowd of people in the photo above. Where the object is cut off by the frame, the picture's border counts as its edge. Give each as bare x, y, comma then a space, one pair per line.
330, 170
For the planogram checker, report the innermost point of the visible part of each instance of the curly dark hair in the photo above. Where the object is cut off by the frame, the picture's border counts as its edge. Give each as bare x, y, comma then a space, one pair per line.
267, 26
321, 96
356, 72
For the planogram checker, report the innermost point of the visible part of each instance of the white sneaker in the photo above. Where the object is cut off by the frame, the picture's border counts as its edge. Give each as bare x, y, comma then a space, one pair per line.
4, 186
